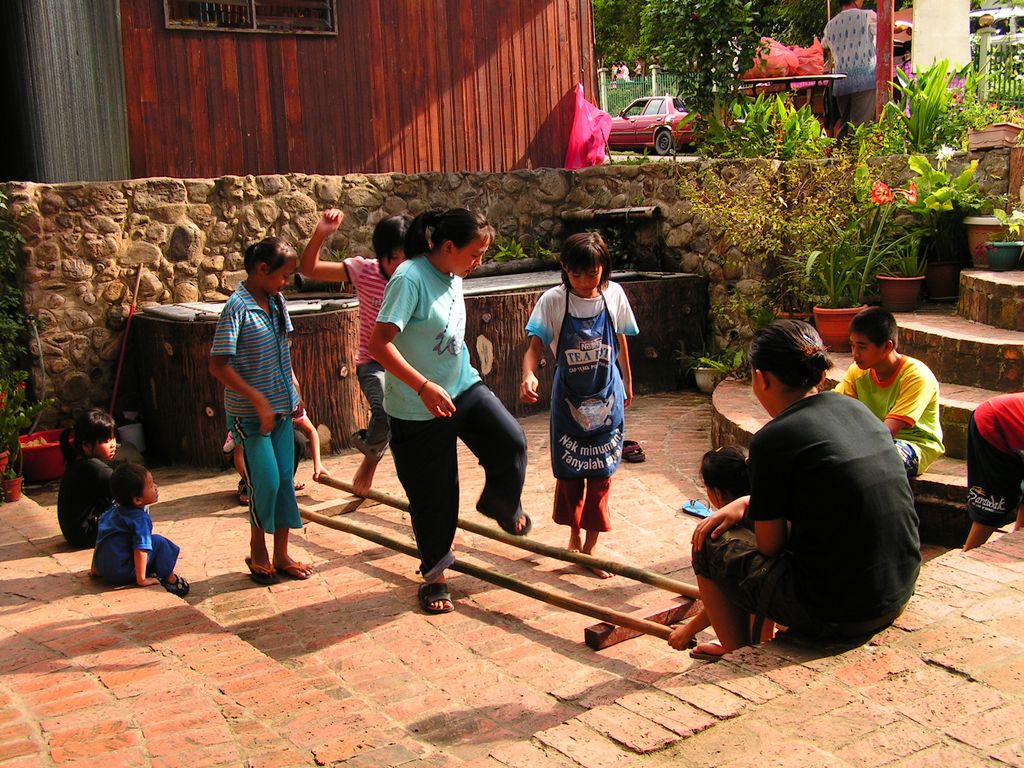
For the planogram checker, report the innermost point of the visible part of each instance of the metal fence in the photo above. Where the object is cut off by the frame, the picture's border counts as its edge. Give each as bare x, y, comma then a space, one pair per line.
617, 94
1006, 73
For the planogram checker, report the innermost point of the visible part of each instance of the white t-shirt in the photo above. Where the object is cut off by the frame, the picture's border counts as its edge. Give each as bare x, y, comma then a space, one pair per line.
546, 319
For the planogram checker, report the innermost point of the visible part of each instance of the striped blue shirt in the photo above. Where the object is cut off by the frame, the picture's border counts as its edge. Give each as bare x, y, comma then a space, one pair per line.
257, 344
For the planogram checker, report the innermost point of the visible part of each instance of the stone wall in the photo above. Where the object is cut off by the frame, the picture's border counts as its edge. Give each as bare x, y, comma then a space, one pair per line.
86, 241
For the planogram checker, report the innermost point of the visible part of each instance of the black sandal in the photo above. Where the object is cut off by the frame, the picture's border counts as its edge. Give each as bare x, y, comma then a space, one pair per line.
632, 452
179, 587
435, 593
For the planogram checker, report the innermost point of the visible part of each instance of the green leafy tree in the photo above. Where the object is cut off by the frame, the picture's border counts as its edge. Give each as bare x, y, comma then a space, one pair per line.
709, 42
13, 325
617, 35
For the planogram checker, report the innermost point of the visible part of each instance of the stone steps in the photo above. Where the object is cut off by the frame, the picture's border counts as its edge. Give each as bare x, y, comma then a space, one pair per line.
960, 351
940, 494
956, 404
993, 298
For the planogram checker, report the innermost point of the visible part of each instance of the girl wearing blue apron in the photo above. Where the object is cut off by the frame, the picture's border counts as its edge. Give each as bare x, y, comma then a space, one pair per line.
584, 322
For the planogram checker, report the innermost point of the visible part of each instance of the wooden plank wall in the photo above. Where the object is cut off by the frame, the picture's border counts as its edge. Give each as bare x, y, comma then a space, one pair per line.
406, 86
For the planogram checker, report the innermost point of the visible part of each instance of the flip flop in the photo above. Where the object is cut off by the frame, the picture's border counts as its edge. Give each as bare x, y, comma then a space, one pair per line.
300, 486
298, 571
509, 526
697, 508
179, 587
632, 452
243, 493
435, 593
696, 653
264, 575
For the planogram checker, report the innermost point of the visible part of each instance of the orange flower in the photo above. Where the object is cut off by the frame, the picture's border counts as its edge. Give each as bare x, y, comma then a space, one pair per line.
881, 194
911, 193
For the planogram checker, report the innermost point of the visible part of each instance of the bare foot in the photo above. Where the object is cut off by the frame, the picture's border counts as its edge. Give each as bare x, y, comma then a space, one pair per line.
575, 542
363, 480
708, 652
600, 573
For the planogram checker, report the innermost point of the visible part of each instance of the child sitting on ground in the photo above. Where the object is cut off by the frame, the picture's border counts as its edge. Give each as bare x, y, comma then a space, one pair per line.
724, 474
84, 492
127, 550
900, 390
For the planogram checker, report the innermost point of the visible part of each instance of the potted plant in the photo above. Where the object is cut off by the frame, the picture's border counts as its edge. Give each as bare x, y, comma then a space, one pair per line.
840, 275
902, 274
711, 368
1005, 254
941, 204
16, 414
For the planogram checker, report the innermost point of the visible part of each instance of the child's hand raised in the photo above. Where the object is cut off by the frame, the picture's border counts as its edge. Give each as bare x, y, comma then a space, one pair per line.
329, 222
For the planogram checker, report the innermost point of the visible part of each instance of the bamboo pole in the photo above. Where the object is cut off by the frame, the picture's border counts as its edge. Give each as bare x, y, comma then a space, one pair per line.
557, 599
630, 572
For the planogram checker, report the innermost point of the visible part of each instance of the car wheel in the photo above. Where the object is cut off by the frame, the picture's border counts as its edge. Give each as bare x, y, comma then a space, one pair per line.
663, 141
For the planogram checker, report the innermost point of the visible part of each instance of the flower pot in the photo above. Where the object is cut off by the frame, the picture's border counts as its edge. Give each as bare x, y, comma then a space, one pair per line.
707, 379
41, 457
942, 279
981, 230
834, 326
995, 135
12, 489
899, 294
1003, 256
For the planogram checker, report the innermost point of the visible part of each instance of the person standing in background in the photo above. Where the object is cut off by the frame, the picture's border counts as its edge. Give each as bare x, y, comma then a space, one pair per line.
850, 39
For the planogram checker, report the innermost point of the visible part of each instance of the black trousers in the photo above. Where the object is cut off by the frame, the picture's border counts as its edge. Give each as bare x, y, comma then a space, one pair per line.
426, 460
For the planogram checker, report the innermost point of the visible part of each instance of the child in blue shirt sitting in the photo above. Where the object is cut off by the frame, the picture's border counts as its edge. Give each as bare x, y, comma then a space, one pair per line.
127, 550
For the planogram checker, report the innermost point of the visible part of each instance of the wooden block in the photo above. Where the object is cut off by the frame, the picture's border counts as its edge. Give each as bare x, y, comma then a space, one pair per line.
604, 635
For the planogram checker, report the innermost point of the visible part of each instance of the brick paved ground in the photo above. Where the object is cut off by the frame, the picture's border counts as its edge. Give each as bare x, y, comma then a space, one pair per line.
342, 669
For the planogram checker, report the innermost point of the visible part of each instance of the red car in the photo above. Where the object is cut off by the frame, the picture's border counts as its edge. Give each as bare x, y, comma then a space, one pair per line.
653, 122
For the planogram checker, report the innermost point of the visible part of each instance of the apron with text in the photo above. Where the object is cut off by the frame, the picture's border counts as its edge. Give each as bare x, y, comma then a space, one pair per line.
586, 398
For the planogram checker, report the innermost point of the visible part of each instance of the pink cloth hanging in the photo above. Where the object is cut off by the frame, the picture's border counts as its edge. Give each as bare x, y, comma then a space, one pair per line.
589, 135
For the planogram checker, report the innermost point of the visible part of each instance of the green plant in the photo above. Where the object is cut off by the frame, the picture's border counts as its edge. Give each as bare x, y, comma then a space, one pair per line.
510, 249
13, 321
16, 414
724, 361
710, 41
906, 257
1013, 222
767, 126
922, 105
942, 202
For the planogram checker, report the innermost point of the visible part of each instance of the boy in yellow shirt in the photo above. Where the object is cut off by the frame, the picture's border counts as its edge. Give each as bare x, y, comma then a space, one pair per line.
899, 389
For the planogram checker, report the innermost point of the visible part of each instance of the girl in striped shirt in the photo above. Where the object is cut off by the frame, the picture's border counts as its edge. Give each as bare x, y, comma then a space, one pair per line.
251, 358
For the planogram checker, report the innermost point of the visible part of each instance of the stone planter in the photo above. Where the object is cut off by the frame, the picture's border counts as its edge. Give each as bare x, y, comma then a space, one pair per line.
996, 135
900, 294
981, 230
1004, 256
834, 326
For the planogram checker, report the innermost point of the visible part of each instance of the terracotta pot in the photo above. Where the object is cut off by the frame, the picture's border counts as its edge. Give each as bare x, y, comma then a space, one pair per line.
942, 279
12, 489
995, 135
834, 326
981, 230
899, 294
1004, 256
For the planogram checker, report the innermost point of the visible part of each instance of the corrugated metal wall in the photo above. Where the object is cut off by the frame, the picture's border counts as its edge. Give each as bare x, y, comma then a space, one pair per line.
406, 85
66, 81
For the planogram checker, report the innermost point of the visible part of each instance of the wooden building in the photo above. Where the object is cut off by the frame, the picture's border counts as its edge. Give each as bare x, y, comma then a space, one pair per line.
133, 88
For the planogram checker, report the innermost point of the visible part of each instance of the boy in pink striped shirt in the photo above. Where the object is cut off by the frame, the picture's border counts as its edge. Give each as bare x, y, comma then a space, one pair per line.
370, 277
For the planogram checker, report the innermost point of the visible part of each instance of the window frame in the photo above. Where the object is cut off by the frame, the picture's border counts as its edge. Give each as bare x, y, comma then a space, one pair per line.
250, 8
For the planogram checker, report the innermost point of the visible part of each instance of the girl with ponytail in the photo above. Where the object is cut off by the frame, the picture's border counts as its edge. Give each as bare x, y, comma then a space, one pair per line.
434, 397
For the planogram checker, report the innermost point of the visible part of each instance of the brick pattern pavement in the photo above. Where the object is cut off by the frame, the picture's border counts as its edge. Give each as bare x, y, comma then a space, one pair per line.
343, 670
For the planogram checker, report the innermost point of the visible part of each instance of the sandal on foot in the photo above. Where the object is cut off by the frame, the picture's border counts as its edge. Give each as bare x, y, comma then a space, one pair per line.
707, 655
179, 587
243, 493
435, 593
262, 574
509, 526
295, 570
300, 486
632, 452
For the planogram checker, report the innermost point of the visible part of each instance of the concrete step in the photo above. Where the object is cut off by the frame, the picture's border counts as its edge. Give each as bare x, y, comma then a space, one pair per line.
993, 298
956, 404
960, 351
940, 494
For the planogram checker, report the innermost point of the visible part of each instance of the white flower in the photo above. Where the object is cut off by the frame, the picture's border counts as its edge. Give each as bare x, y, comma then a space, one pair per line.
944, 153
